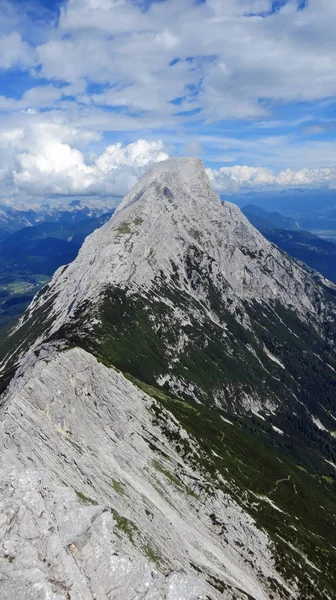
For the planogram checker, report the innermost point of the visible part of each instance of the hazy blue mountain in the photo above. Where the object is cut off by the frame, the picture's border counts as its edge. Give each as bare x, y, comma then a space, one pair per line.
313, 209
263, 219
292, 202
13, 219
29, 257
317, 253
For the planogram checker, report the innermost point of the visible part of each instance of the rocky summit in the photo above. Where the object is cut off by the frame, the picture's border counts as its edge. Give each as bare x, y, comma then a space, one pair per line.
168, 412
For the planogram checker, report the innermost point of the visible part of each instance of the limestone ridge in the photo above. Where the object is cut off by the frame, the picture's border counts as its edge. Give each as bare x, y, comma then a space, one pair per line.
167, 427
96, 502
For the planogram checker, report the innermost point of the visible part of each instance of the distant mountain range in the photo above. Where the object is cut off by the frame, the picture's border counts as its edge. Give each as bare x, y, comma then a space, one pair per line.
313, 209
13, 219
262, 219
317, 253
29, 257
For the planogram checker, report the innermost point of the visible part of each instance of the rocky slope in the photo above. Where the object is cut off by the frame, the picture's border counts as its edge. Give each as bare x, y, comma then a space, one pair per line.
204, 466
98, 503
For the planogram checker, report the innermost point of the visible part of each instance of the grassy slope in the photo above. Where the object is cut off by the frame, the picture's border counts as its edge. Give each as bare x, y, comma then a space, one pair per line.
256, 465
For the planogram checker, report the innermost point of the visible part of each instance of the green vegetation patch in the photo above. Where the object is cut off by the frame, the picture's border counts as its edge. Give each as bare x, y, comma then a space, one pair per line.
248, 456
118, 487
124, 228
172, 478
152, 555
85, 499
125, 525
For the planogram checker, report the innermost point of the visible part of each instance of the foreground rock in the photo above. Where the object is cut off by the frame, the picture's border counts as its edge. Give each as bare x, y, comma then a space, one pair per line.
97, 503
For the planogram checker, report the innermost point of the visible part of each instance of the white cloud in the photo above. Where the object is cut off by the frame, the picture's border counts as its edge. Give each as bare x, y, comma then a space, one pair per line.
14, 52
237, 178
45, 160
210, 55
193, 148
240, 63
108, 65
40, 159
38, 97
229, 65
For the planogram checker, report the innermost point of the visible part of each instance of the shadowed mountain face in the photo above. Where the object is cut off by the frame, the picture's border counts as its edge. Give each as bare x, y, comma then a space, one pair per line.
317, 253
262, 219
218, 423
29, 257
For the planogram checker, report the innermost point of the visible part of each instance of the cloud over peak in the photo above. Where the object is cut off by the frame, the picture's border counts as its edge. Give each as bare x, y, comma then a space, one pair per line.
47, 160
52, 166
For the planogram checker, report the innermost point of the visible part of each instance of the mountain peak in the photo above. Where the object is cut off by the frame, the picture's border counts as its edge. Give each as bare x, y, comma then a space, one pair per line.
185, 177
183, 164
174, 169
170, 216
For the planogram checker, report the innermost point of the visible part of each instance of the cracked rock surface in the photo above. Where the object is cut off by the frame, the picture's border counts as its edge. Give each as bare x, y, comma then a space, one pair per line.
96, 503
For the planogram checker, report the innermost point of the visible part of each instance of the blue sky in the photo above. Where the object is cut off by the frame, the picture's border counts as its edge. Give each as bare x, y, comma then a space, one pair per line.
94, 91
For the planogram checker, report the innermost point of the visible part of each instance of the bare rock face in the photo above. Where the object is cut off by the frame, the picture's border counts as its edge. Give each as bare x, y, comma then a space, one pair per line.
167, 415
96, 502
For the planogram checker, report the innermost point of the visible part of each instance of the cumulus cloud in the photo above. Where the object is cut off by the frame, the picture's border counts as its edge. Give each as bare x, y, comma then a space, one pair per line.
40, 159
61, 170
227, 59
14, 52
234, 179
46, 160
